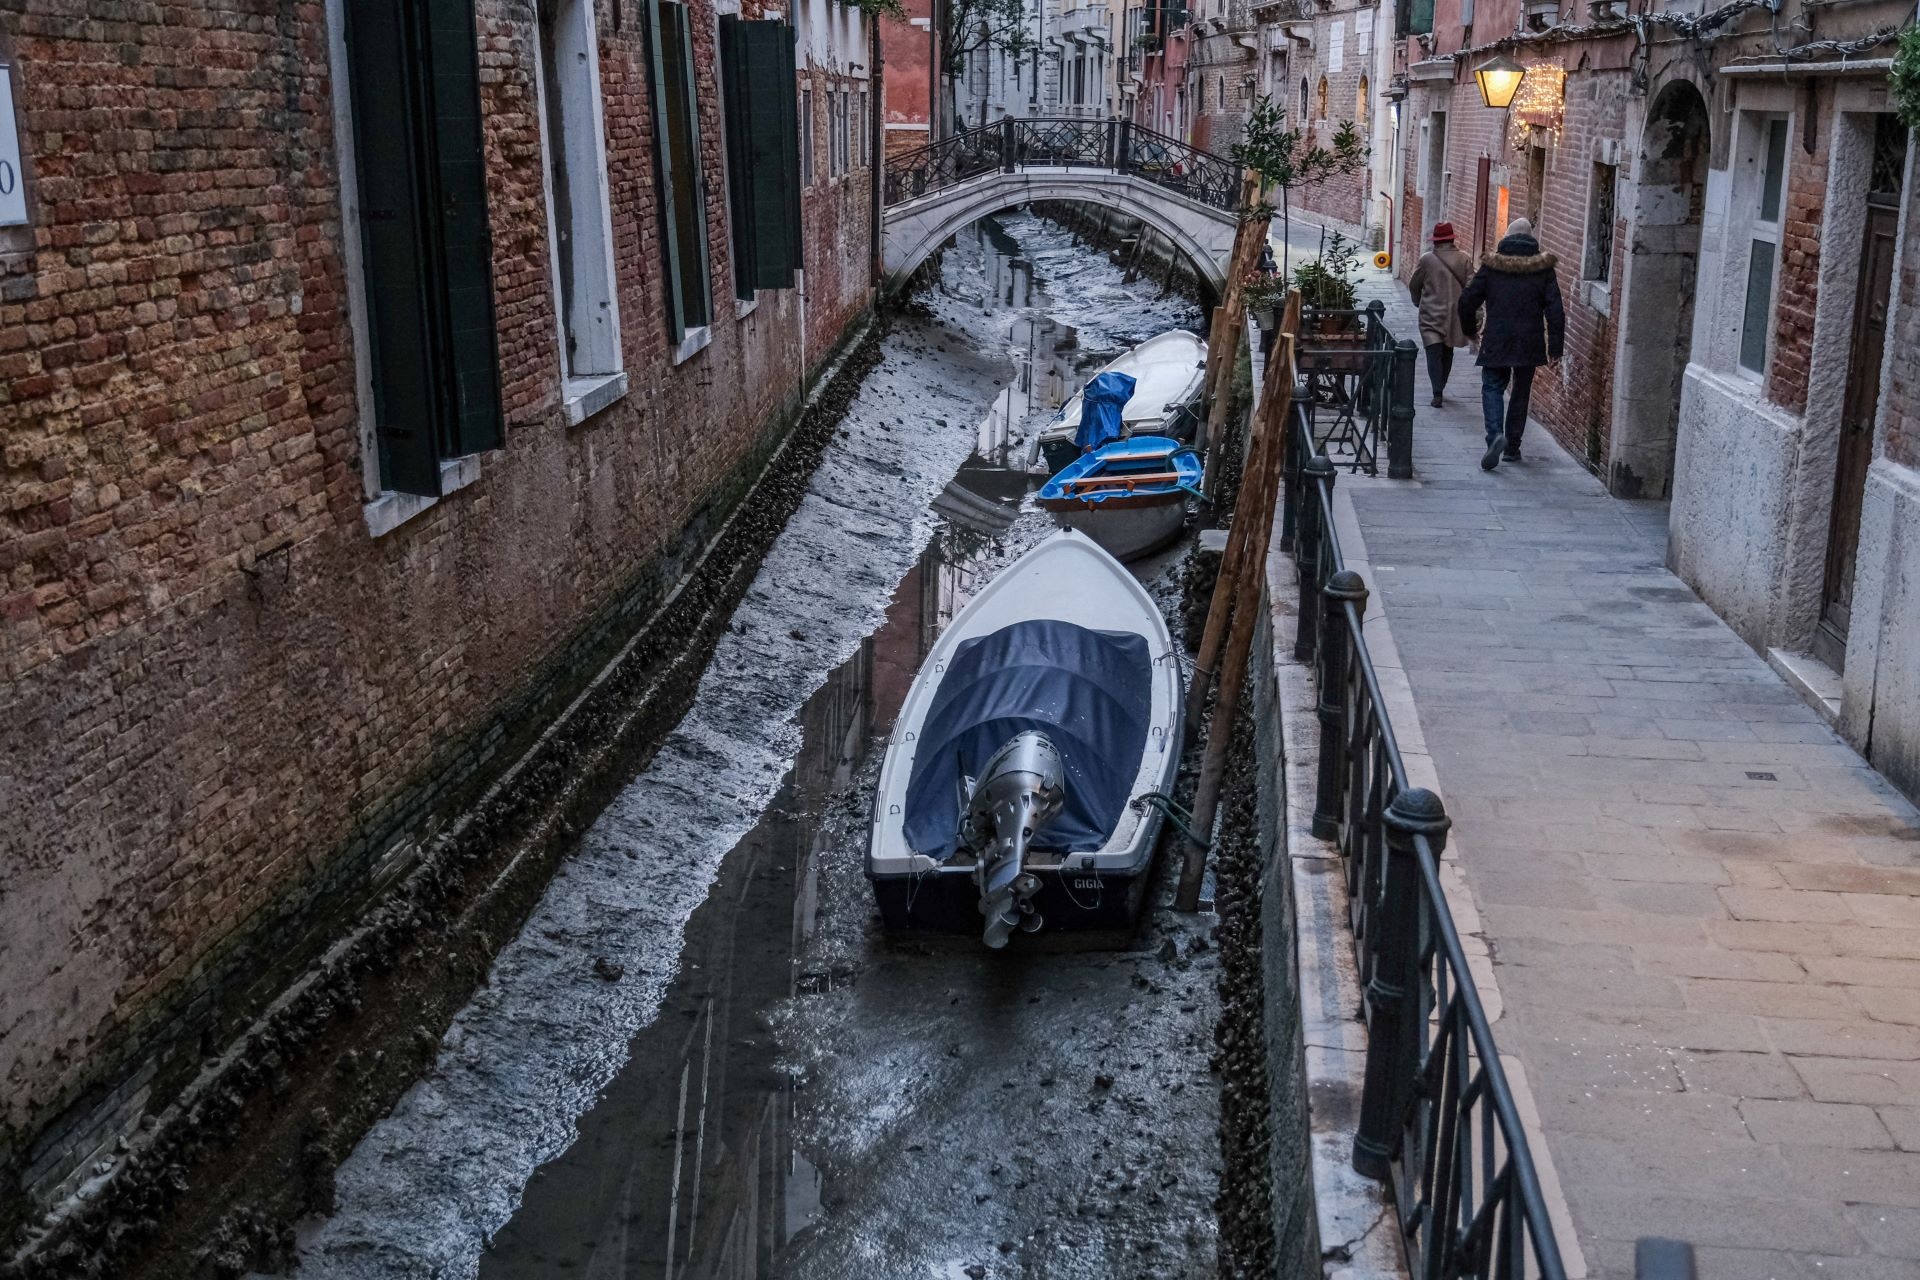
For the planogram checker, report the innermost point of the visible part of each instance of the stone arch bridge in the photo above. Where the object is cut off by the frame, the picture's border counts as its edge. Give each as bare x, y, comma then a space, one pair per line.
1185, 194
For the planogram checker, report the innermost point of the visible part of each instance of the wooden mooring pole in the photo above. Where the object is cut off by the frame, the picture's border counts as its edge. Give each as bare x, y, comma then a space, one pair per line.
1236, 594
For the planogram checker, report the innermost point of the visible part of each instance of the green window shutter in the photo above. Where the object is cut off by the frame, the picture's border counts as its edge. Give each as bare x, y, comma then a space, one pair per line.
390, 169
789, 115
775, 144
1420, 17
470, 373
763, 148
742, 177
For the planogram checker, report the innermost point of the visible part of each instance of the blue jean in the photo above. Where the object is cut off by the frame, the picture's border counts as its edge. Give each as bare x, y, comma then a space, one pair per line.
1504, 413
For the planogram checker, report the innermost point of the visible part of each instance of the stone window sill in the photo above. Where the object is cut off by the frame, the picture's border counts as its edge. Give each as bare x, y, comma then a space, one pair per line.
693, 344
1599, 295
390, 510
744, 307
587, 396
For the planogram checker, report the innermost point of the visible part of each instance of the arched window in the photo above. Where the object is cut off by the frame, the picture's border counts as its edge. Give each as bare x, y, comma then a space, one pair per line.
1360, 108
1323, 97
1303, 97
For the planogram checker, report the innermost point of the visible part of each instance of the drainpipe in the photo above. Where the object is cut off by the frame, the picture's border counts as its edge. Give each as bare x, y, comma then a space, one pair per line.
876, 143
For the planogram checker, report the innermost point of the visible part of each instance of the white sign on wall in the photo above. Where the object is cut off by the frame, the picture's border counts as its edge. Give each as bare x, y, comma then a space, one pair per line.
1337, 46
1363, 32
13, 185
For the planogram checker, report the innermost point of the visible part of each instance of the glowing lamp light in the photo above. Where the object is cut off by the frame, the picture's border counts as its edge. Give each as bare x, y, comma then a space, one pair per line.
1499, 79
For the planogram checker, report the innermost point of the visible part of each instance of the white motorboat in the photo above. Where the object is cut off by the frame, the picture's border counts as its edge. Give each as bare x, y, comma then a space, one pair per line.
1167, 371
1012, 793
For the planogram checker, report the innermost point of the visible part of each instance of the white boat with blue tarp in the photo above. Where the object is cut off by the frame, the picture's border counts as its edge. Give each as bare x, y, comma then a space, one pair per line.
1130, 496
1167, 370
1013, 793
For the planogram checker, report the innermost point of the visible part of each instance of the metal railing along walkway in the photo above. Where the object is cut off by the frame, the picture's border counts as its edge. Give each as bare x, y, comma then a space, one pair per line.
1438, 1122
1437, 1117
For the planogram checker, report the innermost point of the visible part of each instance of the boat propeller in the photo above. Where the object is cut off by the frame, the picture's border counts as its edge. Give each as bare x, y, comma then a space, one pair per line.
1021, 789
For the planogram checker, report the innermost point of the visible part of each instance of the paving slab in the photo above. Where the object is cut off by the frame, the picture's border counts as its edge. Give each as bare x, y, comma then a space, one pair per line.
1702, 907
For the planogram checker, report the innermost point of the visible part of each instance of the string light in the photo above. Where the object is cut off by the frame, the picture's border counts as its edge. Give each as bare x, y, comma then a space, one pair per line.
1540, 103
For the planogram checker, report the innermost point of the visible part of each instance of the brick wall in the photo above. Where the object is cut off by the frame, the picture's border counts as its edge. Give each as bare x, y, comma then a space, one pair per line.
1798, 289
218, 685
1343, 195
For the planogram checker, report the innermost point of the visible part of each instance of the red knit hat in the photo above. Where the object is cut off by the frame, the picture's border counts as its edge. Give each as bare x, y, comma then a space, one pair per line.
1443, 233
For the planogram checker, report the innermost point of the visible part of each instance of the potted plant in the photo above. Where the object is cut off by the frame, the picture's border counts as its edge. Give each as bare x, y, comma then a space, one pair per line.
1329, 283
1260, 292
1329, 286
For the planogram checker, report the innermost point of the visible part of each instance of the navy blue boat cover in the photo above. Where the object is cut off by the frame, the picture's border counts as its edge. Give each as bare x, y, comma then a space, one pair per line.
1090, 692
1100, 406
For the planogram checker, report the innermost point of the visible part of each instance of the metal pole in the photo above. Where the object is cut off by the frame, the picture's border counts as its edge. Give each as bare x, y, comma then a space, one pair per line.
1391, 1007
1400, 411
1342, 588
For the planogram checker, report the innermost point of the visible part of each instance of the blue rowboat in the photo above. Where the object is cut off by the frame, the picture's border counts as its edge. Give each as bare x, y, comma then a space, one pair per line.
1129, 496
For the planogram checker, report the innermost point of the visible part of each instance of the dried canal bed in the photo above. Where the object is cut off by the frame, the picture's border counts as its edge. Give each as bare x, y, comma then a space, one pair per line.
699, 1058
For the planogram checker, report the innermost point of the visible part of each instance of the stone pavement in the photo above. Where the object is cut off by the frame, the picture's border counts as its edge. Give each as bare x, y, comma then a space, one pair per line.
1701, 907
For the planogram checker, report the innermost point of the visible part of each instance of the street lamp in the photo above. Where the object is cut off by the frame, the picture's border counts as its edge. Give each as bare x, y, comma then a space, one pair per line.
1499, 79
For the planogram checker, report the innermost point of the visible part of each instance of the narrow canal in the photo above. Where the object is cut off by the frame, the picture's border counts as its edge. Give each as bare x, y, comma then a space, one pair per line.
701, 1058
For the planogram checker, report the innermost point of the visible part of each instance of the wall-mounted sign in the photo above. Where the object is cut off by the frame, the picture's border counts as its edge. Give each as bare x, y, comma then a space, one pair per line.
13, 185
1337, 46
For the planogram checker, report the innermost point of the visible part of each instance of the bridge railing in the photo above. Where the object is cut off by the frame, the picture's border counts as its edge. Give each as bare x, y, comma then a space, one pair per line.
1119, 146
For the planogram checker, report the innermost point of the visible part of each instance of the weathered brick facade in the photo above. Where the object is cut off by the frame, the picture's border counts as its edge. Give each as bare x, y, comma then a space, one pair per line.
225, 700
1798, 291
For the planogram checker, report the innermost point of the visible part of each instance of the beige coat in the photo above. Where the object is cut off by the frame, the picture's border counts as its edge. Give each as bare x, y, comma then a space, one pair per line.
1436, 285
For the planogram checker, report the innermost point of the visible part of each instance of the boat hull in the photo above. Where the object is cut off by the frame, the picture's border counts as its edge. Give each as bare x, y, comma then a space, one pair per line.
1125, 528
947, 901
1069, 582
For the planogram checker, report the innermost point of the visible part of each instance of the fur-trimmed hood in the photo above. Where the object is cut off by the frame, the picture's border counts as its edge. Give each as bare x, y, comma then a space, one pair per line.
1520, 264
1520, 256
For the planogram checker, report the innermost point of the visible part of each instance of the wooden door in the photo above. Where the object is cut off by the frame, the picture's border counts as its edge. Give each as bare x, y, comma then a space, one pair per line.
1856, 429
1482, 177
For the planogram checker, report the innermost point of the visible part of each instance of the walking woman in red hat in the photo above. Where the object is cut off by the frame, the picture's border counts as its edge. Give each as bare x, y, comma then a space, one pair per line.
1437, 281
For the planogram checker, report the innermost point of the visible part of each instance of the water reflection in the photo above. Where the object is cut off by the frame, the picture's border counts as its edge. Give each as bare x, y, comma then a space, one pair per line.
685, 1168
1048, 362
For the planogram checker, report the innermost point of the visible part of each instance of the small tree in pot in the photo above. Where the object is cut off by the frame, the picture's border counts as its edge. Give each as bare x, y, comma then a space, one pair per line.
1329, 283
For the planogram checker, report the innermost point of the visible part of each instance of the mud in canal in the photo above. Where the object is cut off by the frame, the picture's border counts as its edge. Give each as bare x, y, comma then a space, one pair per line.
701, 1057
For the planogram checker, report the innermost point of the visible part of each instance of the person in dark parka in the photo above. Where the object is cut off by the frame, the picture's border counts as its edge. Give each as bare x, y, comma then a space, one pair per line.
1526, 328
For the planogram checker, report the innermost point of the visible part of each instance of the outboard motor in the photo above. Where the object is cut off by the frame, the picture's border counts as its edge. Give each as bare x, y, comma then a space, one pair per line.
1021, 790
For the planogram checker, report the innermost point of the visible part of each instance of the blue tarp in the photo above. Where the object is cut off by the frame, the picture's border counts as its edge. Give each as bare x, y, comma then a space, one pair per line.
1090, 692
1100, 406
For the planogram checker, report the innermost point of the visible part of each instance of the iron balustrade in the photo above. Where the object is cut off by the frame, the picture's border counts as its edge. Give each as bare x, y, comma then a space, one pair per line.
1437, 1117
1359, 387
1121, 146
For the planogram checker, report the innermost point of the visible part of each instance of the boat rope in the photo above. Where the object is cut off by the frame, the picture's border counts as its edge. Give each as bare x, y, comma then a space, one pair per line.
1176, 813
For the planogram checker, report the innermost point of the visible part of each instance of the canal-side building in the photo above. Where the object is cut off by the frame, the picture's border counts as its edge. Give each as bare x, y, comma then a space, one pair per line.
364, 369
1334, 54
1222, 72
1793, 478
1157, 66
909, 48
1725, 194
